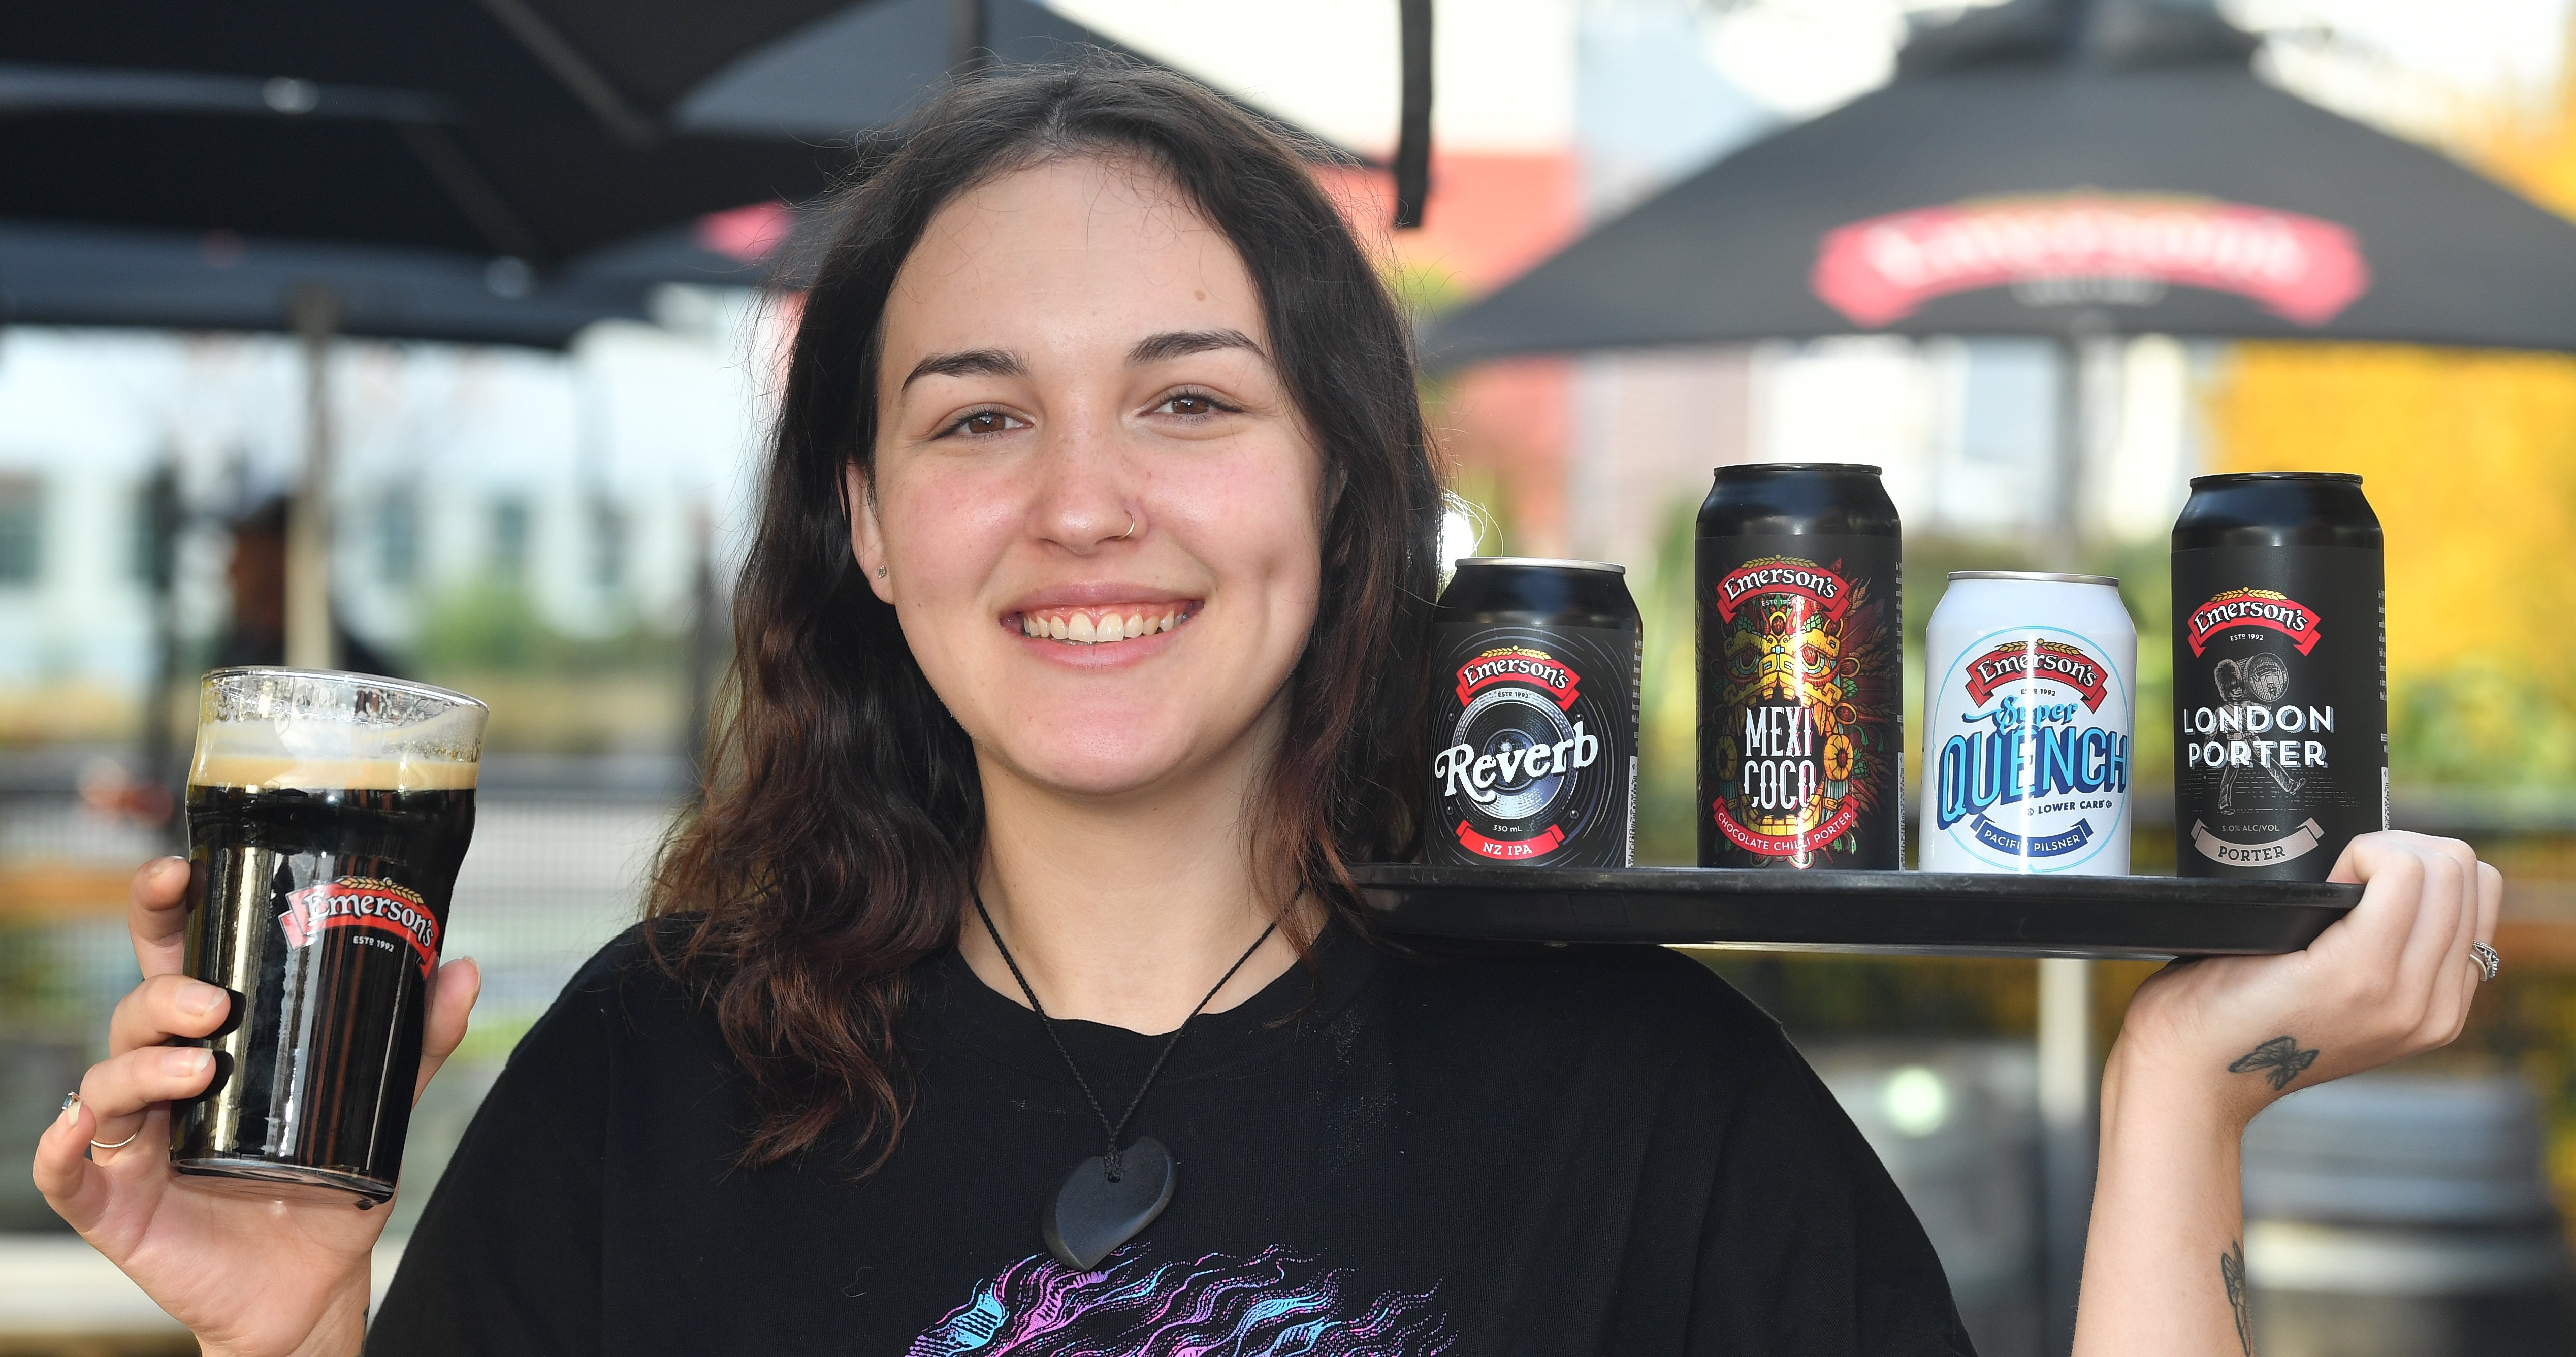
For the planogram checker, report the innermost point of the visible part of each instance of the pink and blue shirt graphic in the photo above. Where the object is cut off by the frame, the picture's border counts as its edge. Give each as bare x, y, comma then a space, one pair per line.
1275, 1304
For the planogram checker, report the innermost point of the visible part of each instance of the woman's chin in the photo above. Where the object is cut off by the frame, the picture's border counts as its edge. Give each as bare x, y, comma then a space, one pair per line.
1105, 774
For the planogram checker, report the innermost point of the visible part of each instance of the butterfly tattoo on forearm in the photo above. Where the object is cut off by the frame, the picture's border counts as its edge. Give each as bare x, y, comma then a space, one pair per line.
2279, 1060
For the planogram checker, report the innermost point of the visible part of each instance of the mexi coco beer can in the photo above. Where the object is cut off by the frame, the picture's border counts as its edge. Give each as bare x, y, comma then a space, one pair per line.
1801, 669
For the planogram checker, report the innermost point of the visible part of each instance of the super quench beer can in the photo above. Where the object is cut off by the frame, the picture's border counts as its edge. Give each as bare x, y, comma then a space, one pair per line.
2280, 662
328, 814
2028, 748
1535, 710
1801, 669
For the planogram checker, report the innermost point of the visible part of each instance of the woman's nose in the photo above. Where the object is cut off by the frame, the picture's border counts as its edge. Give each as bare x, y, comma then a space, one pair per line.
1083, 500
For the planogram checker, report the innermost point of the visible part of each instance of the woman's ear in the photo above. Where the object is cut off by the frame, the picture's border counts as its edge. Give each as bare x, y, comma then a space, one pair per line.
867, 536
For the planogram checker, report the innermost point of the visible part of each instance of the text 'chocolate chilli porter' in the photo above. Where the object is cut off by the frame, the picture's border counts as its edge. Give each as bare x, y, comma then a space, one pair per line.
1534, 732
1801, 667
2280, 663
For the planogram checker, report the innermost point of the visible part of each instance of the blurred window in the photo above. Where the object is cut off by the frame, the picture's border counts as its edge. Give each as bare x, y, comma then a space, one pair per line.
607, 543
398, 537
22, 526
143, 537
511, 523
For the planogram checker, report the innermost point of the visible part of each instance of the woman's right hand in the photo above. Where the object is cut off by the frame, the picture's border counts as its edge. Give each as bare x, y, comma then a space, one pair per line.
247, 1275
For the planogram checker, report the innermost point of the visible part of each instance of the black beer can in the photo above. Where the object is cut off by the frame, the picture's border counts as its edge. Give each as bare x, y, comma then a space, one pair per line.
1534, 715
2280, 664
1798, 606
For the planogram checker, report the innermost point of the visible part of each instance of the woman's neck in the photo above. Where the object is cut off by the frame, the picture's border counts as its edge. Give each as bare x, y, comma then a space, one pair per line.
1125, 910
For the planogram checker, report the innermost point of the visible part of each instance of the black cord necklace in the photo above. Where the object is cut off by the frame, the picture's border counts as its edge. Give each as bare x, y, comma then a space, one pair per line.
1110, 1199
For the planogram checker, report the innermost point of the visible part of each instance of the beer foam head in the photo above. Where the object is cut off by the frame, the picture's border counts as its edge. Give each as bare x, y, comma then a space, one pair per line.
281, 729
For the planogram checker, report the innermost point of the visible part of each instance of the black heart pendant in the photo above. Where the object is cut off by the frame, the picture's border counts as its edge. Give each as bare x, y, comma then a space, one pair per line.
1092, 1214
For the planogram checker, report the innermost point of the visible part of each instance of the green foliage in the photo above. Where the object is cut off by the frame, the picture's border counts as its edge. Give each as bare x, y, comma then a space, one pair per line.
492, 626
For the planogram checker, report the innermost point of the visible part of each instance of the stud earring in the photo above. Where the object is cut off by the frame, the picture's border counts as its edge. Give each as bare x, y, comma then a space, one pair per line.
880, 572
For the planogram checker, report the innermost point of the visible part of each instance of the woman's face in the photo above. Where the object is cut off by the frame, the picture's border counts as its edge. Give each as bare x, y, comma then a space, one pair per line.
1094, 509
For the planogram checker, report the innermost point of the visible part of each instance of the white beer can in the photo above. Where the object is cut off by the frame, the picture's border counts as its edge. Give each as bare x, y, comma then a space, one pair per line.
2028, 743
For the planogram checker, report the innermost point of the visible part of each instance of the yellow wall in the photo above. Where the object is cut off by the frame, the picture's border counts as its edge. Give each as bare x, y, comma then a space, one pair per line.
2470, 459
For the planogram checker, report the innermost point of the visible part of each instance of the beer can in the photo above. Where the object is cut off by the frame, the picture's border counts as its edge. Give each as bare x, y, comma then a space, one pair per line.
2280, 661
1801, 669
1534, 725
2029, 743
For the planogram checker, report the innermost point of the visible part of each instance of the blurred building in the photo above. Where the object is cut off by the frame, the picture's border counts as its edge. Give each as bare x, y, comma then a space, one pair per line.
575, 488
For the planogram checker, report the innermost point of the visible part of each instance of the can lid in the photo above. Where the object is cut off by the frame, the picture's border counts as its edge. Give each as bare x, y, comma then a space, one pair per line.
2246, 477
2041, 576
1612, 566
1810, 468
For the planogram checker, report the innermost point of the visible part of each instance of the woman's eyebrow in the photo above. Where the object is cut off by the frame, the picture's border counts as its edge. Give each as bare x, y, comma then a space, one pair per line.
1179, 343
969, 363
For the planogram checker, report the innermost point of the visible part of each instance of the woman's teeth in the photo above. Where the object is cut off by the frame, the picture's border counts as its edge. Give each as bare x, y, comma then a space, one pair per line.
1082, 628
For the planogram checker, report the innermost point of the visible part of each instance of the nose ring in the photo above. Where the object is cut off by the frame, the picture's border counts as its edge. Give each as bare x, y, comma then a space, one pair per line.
1131, 527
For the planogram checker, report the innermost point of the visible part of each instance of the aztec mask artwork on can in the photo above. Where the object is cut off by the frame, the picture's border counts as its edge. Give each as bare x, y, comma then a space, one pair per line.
1800, 723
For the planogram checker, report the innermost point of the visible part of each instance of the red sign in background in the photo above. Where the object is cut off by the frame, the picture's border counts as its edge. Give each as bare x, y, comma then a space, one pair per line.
2302, 268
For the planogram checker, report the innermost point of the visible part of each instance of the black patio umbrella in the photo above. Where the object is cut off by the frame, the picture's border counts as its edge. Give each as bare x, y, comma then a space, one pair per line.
533, 129
109, 276
2058, 167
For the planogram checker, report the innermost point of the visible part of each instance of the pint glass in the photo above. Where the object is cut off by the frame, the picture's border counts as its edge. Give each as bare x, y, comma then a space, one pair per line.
327, 815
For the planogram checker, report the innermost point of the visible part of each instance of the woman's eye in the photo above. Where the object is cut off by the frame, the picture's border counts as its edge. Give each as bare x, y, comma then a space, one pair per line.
983, 422
1191, 405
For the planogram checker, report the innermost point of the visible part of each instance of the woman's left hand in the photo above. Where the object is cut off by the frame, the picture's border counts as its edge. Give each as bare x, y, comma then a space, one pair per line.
2391, 979
2209, 1043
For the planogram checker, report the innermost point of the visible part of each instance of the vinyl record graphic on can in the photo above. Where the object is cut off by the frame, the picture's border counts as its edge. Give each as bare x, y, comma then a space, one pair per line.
1537, 770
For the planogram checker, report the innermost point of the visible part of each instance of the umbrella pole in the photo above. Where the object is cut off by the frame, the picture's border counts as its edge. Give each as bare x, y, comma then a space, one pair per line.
309, 640
2067, 1091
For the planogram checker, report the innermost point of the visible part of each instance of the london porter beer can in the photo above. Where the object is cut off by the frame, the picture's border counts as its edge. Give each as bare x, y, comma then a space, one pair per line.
2280, 675
2029, 696
1534, 734
1801, 692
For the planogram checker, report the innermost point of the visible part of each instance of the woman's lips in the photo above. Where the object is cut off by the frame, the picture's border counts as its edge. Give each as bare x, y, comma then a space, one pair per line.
1103, 624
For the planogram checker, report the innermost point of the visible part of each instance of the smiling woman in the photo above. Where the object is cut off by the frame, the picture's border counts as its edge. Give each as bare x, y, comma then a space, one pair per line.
1008, 992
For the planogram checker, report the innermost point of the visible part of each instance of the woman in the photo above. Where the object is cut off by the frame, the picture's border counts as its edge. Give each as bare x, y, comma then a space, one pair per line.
1078, 655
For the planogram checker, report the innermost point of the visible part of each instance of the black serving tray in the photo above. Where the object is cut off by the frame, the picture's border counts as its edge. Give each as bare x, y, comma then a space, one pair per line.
1934, 913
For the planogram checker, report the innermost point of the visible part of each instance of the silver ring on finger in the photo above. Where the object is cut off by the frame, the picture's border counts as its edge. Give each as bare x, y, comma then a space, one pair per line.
2488, 962
72, 1100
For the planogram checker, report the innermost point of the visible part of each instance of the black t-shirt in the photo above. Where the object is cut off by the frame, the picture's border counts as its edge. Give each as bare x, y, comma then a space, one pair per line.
1552, 1151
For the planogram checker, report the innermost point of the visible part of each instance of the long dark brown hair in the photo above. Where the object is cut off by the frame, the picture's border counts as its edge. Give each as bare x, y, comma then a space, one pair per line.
843, 816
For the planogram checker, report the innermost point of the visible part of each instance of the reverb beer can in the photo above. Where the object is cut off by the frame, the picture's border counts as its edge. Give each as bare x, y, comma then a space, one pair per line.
1801, 669
1534, 735
2029, 744
2280, 661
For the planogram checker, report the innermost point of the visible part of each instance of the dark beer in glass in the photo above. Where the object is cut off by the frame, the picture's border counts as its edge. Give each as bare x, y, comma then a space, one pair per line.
327, 816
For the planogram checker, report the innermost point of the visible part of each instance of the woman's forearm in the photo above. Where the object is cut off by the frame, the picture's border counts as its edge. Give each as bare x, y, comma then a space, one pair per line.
2164, 1261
